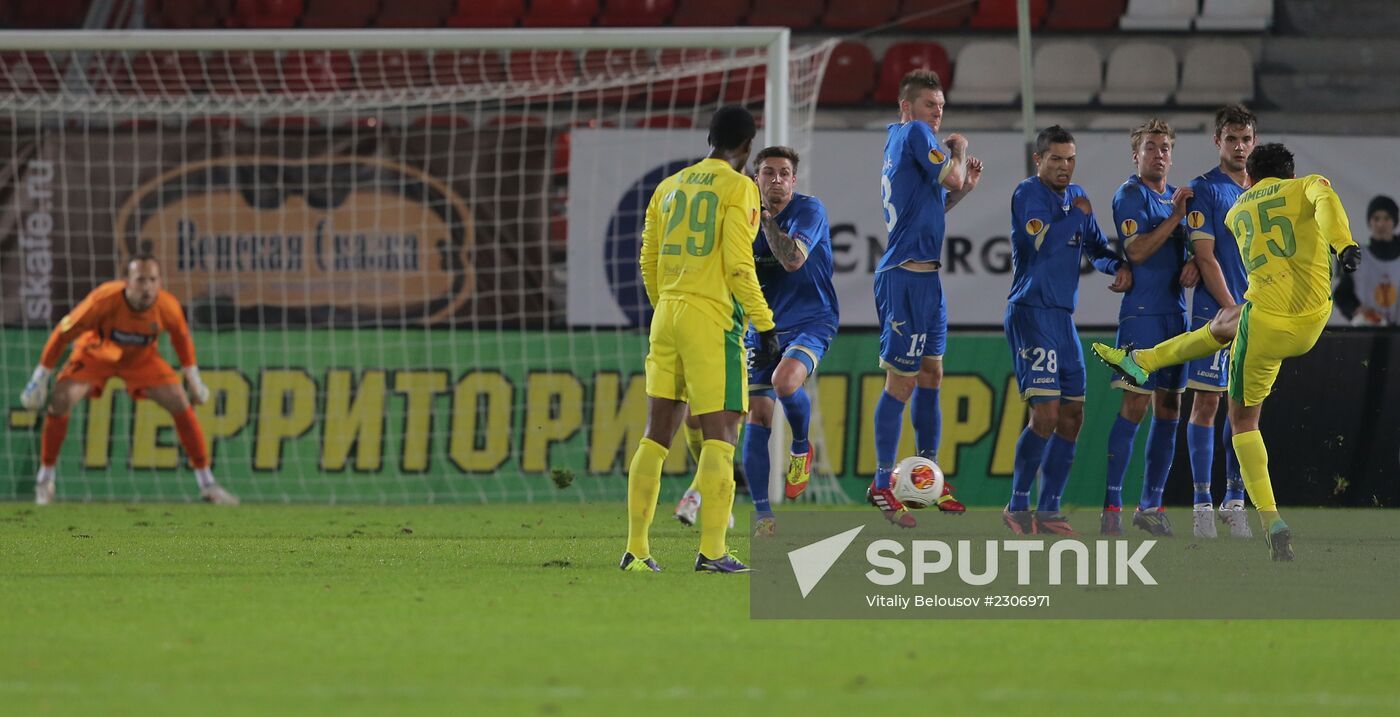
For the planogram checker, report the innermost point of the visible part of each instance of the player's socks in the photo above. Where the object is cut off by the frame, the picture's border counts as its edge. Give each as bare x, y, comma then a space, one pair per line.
1179, 349
756, 466
1200, 443
694, 438
46, 474
1161, 446
1120, 451
798, 409
204, 477
55, 429
889, 421
927, 420
1059, 456
643, 483
1254, 466
716, 496
1234, 482
192, 439
1030, 453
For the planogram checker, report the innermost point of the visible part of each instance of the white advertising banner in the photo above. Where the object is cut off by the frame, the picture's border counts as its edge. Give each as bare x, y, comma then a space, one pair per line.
612, 174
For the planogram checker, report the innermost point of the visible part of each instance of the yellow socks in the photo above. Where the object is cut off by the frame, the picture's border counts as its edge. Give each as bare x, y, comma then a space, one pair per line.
694, 439
643, 484
716, 479
1254, 466
1179, 349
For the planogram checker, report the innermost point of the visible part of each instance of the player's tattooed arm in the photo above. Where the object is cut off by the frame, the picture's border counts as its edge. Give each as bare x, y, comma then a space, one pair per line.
788, 251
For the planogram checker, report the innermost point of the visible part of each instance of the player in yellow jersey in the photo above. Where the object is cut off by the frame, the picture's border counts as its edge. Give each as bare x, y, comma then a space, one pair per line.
698, 268
1284, 227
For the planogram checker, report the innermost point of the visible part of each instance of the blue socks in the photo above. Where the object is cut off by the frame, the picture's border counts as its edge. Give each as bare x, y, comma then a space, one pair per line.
1120, 451
798, 408
1161, 445
1234, 480
927, 420
1030, 453
1200, 443
756, 465
889, 421
1059, 456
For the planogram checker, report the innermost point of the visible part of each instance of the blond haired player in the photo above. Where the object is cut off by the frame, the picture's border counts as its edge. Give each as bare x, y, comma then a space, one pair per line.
1284, 227
116, 332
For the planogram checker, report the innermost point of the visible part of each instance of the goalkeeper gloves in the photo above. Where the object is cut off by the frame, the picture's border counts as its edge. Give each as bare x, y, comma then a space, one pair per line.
34, 393
768, 351
199, 393
1350, 258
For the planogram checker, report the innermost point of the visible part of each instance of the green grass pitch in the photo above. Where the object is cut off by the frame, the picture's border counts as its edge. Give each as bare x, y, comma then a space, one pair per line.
519, 610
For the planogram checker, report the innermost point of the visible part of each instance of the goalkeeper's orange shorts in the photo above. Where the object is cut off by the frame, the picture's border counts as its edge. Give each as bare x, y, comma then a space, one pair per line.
96, 363
693, 359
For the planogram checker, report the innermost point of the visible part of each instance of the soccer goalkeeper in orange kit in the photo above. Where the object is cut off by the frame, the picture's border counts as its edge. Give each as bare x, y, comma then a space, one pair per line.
116, 331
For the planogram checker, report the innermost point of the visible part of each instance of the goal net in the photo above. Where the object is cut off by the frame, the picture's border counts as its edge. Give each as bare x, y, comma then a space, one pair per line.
370, 234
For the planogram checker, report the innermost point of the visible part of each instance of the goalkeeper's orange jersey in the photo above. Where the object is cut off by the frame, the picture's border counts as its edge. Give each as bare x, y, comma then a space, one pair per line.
697, 244
106, 326
1284, 228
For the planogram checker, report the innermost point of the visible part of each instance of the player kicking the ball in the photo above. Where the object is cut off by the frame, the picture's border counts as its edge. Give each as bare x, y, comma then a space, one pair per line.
1052, 226
116, 330
1283, 227
919, 184
697, 265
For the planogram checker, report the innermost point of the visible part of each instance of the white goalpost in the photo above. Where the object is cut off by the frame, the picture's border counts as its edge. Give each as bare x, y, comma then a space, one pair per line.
371, 234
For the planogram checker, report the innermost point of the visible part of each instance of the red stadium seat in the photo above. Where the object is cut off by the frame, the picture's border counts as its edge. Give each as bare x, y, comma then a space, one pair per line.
666, 121
612, 65
468, 67
560, 13
487, 13
516, 120
637, 13
686, 90
244, 73
850, 75
368, 124
1084, 14
905, 56
563, 144
550, 67
746, 84
390, 69
859, 14
189, 14
291, 122
22, 72
421, 13
795, 14
155, 73
942, 14
51, 14
266, 14
318, 71
711, 13
214, 122
1001, 14
449, 120
340, 13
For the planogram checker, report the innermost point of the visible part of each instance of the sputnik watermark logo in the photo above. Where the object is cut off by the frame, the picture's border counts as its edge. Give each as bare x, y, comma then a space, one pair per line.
810, 563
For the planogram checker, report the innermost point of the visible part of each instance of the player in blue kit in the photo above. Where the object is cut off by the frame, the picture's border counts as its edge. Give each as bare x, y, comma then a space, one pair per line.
1052, 226
793, 257
919, 183
1222, 285
1150, 217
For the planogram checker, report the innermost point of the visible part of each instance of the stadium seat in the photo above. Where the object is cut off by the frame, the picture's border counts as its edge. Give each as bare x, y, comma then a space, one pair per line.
850, 75
1139, 73
989, 73
516, 120
795, 14
861, 15
612, 65
318, 71
48, 14
368, 124
1084, 14
156, 73
266, 14
666, 121
189, 14
291, 123
1001, 14
560, 13
241, 72
469, 67
389, 69
1159, 14
27, 72
685, 90
443, 121
637, 13
942, 14
550, 67
710, 13
745, 85
216, 122
1216, 73
1067, 73
432, 13
902, 57
1243, 15
486, 13
339, 13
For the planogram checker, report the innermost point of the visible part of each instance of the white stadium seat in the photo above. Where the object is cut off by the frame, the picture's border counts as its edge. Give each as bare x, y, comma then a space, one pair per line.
1216, 73
1139, 73
1243, 15
1159, 14
1067, 73
986, 73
